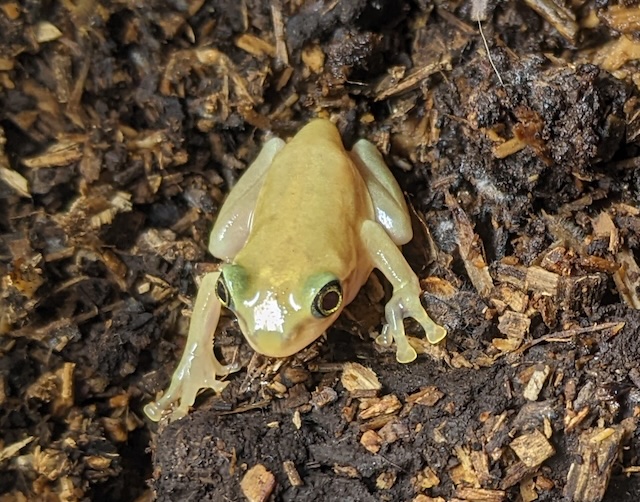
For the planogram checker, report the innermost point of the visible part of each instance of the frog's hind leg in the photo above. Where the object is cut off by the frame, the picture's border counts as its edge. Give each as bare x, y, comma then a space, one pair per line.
381, 239
233, 223
388, 201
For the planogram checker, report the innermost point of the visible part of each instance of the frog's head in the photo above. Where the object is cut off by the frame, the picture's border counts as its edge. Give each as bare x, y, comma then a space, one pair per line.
280, 316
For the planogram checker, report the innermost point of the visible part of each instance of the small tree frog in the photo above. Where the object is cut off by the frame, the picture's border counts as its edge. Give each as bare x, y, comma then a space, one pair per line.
299, 235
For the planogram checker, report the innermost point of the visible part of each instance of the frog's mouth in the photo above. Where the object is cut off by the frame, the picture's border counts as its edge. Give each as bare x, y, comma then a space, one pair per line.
277, 344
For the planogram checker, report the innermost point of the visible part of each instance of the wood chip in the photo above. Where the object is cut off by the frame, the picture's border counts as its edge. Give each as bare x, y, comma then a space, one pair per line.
298, 395
50, 462
515, 473
297, 420
10, 451
471, 249
544, 483
464, 473
394, 430
258, 484
323, 396
509, 147
426, 396
480, 462
64, 152
292, 473
15, 180
255, 45
47, 32
377, 423
480, 494
313, 57
573, 419
536, 382
386, 405
346, 470
426, 479
622, 18
506, 344
598, 452
558, 15
65, 399
533, 448
516, 300
424, 498
116, 429
603, 226
386, 480
98, 463
616, 53
514, 275
282, 54
371, 441
356, 377
528, 490
11, 9
626, 278
514, 324
542, 281
412, 80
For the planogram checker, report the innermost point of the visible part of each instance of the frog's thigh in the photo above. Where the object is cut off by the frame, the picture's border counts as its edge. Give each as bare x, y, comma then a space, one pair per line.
388, 200
233, 224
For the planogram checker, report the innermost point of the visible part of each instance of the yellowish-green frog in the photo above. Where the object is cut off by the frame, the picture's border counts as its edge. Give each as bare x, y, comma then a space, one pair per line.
299, 235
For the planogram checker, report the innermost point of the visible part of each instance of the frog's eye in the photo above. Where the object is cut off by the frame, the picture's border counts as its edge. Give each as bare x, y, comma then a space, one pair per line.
222, 292
328, 300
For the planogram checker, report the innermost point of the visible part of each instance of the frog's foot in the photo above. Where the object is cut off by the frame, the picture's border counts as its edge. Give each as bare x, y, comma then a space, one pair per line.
195, 372
404, 303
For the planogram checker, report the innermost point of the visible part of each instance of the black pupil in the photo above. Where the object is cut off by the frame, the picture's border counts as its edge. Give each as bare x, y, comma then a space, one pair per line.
330, 301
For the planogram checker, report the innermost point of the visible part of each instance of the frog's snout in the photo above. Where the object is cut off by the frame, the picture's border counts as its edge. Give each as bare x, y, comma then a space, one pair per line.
271, 343
283, 344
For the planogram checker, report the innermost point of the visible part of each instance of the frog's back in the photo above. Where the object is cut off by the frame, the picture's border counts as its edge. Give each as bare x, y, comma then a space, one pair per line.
312, 202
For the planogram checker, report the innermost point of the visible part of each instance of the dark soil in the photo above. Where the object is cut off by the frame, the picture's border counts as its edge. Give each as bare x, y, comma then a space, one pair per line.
123, 126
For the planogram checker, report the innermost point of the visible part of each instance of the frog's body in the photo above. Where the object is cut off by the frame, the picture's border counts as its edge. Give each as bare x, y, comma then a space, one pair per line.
300, 233
280, 254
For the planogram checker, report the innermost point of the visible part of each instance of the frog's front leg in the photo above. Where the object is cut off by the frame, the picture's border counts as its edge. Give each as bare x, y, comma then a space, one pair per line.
405, 301
198, 367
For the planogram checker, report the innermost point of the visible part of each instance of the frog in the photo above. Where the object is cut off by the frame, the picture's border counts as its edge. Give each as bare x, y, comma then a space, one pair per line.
298, 236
